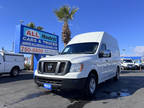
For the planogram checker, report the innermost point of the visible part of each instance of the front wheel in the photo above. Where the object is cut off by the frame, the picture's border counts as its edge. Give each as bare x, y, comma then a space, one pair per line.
91, 85
14, 72
117, 77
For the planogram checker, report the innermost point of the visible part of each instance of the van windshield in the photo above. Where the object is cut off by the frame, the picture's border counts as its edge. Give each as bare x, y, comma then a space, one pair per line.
127, 61
81, 48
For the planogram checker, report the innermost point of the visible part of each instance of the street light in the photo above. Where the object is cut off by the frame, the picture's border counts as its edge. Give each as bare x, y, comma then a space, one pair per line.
123, 51
21, 21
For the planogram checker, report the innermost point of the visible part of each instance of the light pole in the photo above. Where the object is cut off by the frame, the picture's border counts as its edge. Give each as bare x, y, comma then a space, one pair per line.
13, 46
21, 21
123, 51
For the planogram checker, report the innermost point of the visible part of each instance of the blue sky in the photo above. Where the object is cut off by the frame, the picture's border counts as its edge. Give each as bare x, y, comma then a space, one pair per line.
124, 19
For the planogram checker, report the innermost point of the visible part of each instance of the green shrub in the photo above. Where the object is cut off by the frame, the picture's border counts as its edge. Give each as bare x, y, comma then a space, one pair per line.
27, 66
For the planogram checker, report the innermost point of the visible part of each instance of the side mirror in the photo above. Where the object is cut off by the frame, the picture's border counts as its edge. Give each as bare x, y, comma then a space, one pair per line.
105, 54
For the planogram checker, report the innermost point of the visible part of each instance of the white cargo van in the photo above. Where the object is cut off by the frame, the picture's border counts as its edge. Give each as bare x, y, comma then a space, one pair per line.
11, 63
88, 60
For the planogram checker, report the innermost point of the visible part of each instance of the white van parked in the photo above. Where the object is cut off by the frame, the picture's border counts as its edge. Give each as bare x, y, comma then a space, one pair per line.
127, 64
88, 60
11, 63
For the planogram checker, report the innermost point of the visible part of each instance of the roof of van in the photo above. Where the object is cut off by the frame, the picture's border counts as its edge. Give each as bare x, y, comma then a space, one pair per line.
88, 37
11, 53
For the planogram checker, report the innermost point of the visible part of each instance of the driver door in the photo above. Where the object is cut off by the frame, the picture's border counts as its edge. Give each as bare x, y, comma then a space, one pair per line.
104, 64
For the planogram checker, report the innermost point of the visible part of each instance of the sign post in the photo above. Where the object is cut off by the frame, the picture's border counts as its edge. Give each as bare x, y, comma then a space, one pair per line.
33, 41
36, 59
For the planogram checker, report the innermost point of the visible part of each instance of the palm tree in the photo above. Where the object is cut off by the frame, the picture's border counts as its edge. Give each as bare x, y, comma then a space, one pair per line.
32, 25
65, 14
39, 28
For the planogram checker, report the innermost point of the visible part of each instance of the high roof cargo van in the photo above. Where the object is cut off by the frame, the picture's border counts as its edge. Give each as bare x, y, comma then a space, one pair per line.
88, 60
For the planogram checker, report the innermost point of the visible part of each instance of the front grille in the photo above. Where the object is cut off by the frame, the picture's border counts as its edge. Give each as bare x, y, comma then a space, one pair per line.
130, 65
49, 67
62, 67
54, 67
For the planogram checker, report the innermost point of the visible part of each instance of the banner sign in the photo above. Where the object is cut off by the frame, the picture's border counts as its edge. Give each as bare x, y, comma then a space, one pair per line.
34, 41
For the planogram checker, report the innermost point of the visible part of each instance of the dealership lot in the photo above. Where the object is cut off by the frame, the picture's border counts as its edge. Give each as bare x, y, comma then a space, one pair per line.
21, 92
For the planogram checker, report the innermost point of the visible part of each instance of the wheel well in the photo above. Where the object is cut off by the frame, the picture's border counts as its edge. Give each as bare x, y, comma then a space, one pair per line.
95, 73
15, 67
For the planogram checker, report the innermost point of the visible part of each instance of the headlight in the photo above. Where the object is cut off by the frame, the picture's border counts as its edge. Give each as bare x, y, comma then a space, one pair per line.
76, 68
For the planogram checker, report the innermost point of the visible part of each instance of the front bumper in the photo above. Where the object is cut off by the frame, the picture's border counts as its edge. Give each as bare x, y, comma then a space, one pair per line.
58, 83
142, 65
129, 67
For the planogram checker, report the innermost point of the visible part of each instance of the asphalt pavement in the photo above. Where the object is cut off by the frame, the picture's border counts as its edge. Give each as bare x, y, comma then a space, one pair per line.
21, 92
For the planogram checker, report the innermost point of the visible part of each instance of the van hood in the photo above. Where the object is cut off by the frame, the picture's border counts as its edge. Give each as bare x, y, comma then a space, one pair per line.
70, 57
128, 63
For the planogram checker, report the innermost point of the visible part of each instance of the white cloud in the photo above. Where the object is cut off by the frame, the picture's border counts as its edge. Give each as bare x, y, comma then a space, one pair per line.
139, 50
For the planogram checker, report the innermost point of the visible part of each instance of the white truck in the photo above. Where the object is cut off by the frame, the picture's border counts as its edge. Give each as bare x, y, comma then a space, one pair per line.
88, 60
127, 64
11, 63
138, 64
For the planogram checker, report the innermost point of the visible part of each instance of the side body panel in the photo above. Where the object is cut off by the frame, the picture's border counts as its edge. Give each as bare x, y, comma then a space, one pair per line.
11, 61
114, 61
1, 64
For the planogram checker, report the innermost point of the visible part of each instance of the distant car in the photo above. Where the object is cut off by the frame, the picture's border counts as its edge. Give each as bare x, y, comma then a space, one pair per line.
138, 64
127, 64
142, 65
11, 63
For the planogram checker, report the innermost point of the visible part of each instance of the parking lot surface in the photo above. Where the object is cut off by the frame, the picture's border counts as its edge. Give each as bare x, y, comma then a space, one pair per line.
21, 92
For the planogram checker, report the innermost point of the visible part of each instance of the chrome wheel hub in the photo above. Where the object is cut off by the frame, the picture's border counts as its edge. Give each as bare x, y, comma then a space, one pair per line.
92, 85
118, 75
15, 72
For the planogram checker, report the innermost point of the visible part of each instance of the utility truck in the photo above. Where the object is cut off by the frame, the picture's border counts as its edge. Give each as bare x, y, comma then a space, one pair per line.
88, 60
11, 63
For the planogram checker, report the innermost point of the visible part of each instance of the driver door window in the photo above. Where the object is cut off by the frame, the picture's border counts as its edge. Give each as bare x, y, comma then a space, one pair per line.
102, 48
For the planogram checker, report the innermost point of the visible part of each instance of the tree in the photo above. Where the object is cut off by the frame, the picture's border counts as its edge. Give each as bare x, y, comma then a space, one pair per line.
32, 25
39, 28
65, 14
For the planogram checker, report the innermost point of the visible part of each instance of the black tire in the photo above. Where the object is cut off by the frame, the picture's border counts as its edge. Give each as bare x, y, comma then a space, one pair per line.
117, 77
37, 84
14, 72
137, 67
90, 90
